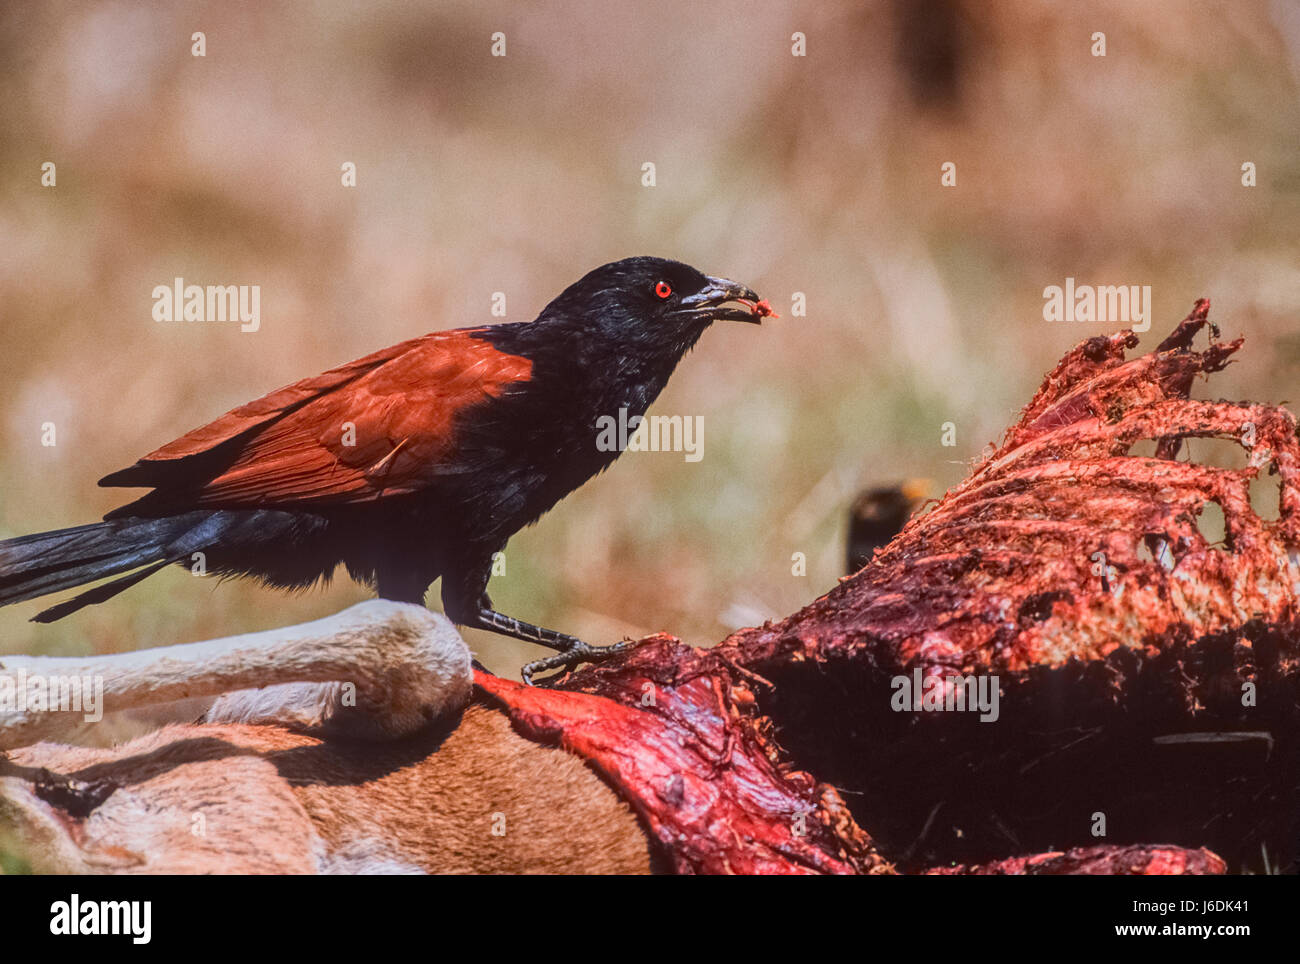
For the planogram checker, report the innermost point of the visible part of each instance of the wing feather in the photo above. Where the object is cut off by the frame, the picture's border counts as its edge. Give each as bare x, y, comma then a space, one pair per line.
377, 426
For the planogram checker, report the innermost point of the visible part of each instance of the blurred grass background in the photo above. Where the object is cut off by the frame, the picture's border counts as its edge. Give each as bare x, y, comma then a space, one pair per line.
817, 174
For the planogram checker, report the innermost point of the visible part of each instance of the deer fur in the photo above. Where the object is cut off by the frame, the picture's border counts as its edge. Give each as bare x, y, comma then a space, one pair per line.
358, 753
466, 796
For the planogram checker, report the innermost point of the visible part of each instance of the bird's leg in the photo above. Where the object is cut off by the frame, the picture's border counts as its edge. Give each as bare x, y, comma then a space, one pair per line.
489, 618
571, 650
480, 615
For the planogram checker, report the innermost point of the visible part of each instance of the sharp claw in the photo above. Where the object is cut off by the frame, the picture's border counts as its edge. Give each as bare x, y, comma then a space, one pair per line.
570, 659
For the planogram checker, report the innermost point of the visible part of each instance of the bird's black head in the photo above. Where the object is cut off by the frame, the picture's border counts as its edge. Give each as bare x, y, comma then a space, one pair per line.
651, 302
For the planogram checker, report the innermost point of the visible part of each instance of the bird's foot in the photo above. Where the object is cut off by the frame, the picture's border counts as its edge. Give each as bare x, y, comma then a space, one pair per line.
579, 652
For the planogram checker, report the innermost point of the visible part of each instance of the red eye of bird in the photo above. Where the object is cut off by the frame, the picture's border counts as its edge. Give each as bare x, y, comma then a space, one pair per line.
663, 289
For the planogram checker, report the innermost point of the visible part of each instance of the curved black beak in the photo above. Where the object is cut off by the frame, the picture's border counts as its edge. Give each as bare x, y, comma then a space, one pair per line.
710, 302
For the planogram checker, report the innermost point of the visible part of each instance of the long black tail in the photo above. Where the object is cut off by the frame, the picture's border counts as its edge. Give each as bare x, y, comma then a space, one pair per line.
47, 562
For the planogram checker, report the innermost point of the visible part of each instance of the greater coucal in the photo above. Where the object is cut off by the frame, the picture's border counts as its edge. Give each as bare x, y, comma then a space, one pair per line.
416, 462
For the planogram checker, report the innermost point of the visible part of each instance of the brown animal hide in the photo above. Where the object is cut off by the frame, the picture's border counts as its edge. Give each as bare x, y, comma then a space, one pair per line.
467, 795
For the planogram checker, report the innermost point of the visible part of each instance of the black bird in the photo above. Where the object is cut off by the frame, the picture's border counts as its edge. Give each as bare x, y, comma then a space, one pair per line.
416, 462
879, 514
